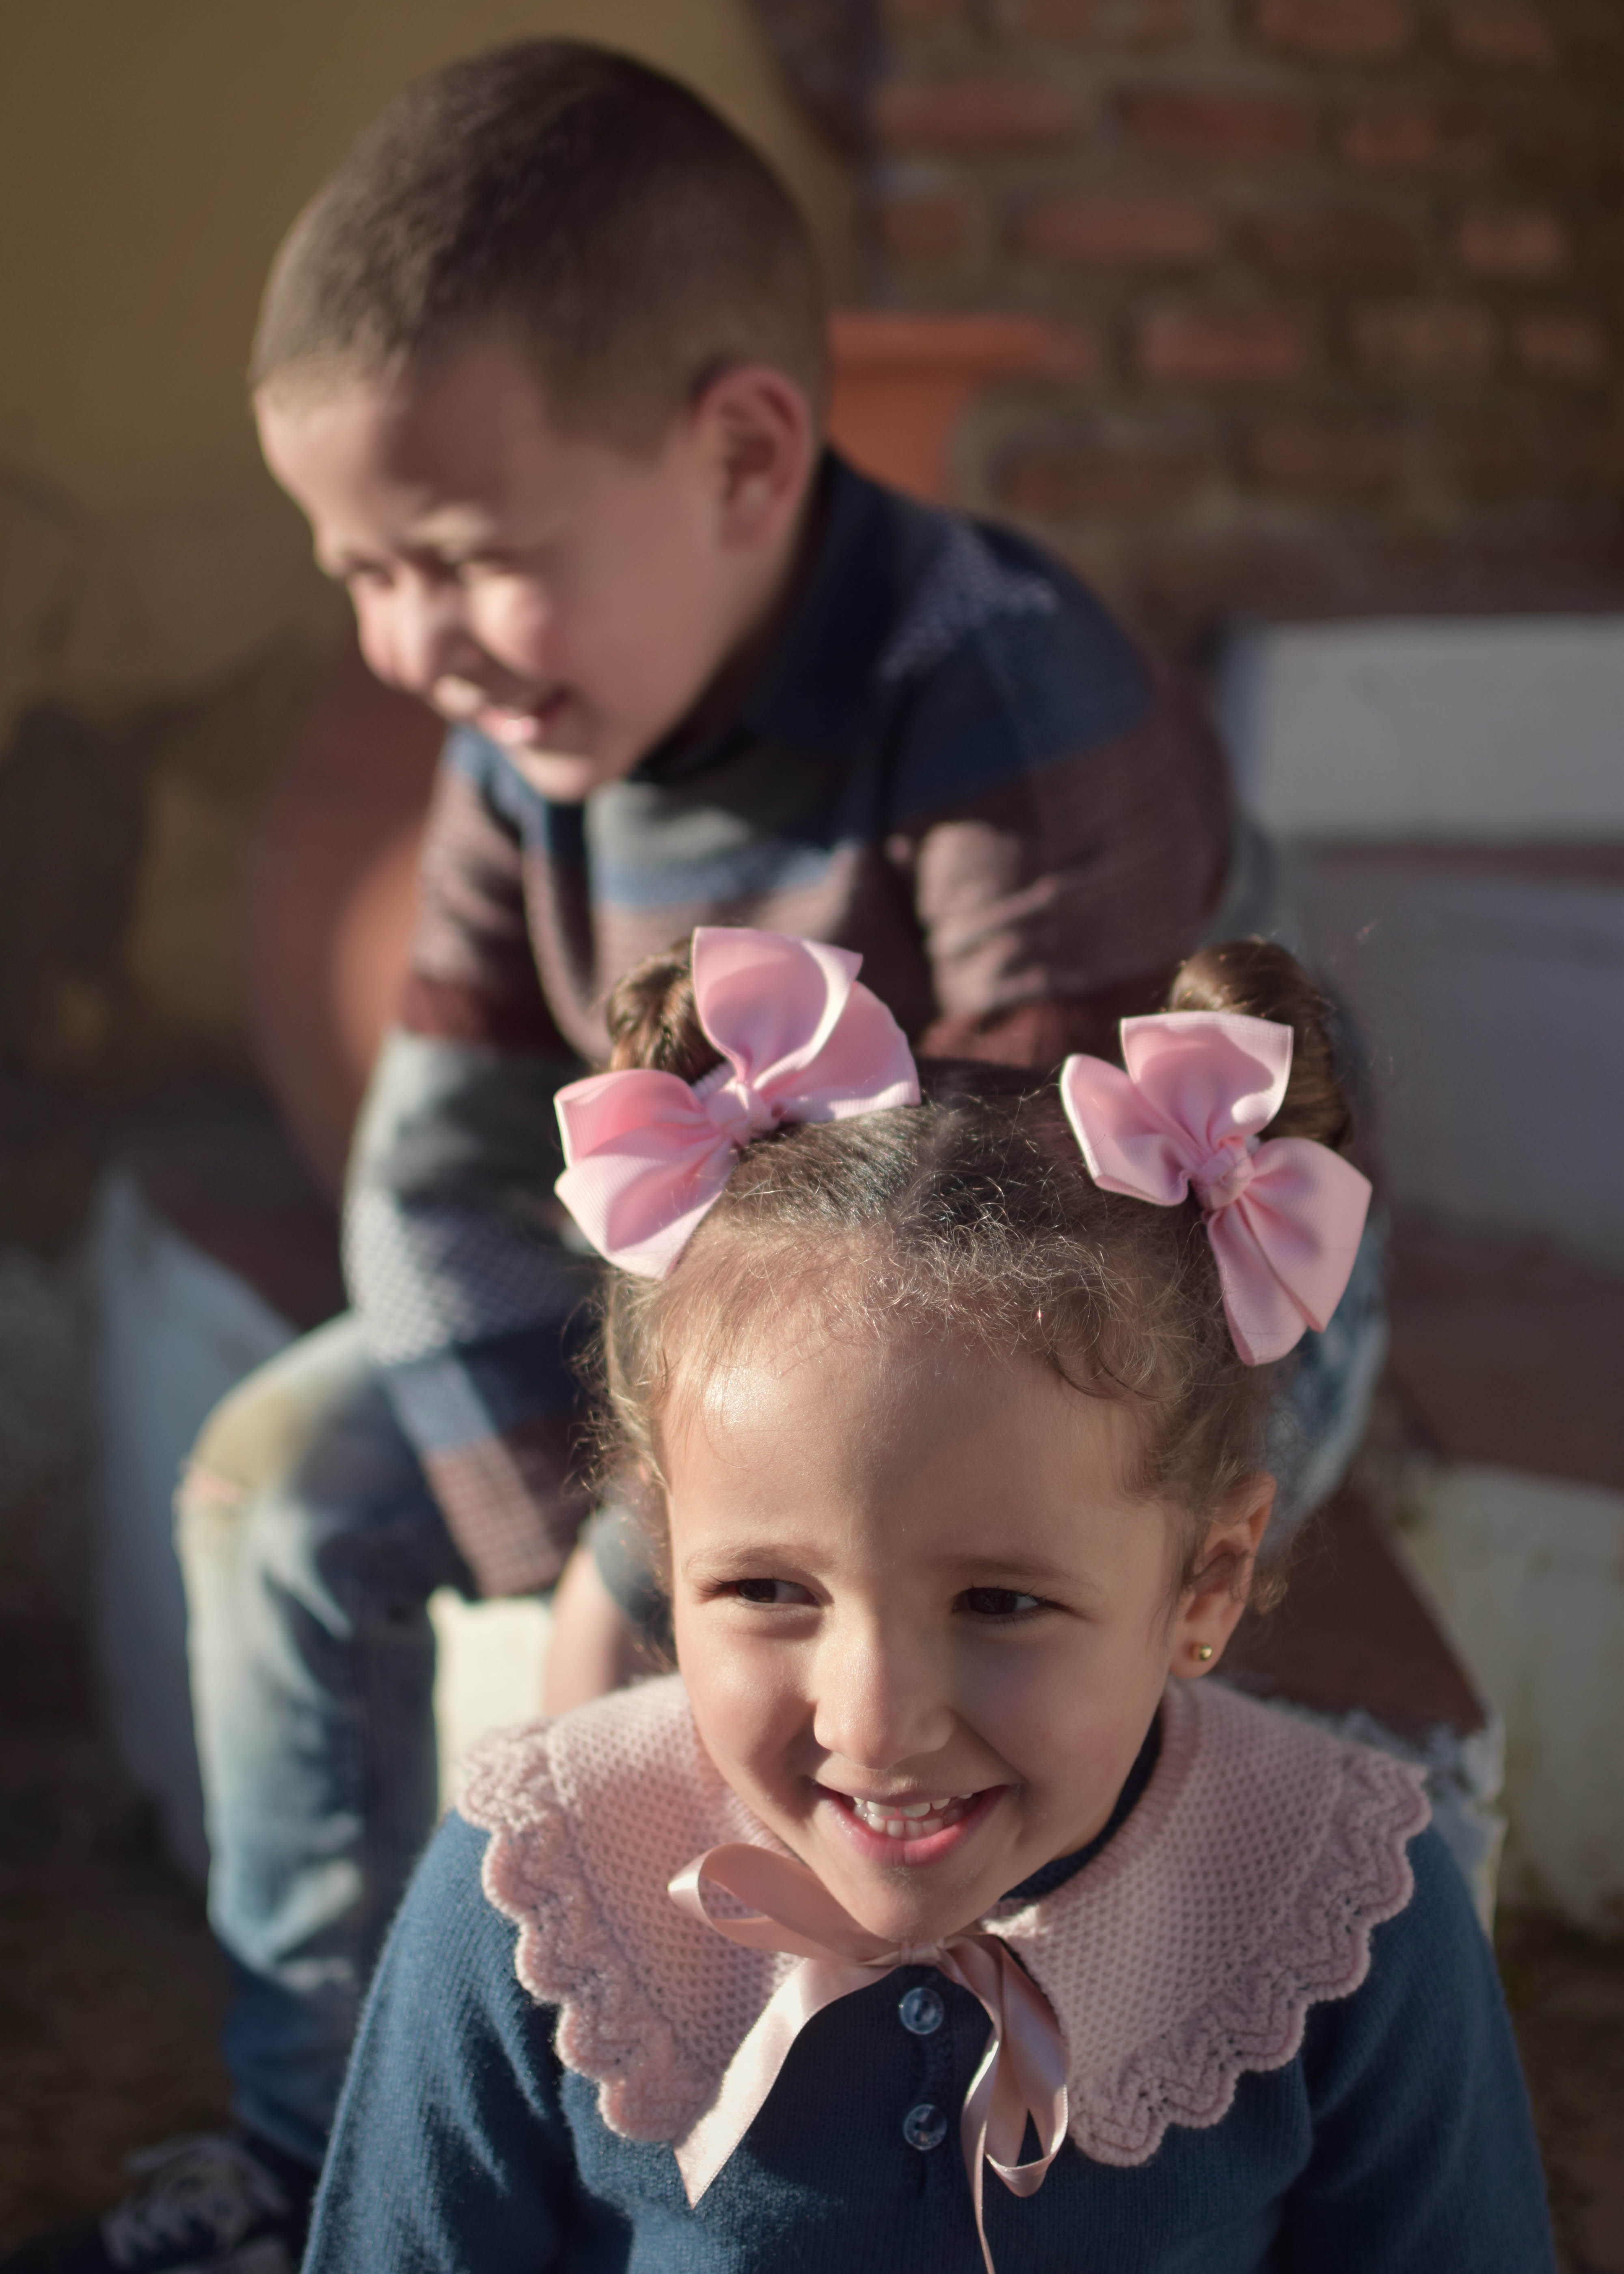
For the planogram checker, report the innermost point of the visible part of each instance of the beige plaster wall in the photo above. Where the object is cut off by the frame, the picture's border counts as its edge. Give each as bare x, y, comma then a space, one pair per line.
150, 157
152, 582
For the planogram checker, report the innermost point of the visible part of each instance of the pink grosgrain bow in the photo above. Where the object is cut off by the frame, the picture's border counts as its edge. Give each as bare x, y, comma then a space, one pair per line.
1284, 1215
1022, 2073
647, 1153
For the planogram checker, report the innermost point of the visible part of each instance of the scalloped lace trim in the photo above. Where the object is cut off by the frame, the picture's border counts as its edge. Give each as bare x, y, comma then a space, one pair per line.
567, 1955
590, 1816
1243, 1890
1254, 2018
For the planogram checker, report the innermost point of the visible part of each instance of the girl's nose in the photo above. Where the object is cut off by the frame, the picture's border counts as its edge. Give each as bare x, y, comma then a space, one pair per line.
882, 1698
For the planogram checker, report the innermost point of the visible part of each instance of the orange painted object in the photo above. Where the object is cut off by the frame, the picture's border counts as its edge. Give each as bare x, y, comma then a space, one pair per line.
329, 887
903, 382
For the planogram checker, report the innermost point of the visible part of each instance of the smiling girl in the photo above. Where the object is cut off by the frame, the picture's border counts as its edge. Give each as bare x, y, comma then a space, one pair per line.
937, 1855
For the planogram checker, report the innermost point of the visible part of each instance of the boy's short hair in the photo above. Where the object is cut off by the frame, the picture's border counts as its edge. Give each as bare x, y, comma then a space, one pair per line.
632, 241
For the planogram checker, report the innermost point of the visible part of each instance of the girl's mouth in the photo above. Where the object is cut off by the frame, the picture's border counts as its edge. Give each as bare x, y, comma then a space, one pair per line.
916, 1831
912, 1819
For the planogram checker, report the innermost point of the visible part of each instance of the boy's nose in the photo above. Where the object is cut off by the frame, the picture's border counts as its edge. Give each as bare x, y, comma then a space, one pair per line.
416, 636
881, 1699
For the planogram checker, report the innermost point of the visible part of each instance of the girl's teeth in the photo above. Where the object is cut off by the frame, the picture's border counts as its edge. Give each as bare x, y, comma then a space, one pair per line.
901, 1819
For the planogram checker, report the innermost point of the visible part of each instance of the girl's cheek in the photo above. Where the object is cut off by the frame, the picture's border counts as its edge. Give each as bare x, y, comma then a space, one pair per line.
745, 1698
1027, 1690
1052, 1709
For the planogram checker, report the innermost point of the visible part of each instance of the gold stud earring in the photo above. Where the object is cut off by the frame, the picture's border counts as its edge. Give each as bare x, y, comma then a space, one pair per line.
1203, 1651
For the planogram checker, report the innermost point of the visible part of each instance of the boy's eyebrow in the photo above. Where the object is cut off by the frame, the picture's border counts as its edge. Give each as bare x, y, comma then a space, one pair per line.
337, 559
343, 560
435, 542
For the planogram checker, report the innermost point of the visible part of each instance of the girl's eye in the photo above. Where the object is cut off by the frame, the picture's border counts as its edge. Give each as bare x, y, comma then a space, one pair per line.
999, 1603
768, 1591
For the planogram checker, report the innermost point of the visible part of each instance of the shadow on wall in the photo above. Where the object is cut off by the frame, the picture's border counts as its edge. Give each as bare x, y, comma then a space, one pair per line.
122, 842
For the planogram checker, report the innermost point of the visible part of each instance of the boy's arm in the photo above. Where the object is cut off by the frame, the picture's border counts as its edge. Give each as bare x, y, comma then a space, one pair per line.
449, 2149
470, 1303
1423, 2152
1063, 816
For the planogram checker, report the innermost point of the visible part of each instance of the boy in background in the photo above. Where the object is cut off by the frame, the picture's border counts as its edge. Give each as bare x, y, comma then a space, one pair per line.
545, 365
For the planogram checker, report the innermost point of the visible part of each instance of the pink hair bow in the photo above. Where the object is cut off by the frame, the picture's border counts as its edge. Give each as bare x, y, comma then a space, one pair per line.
1284, 1215
1022, 2073
647, 1153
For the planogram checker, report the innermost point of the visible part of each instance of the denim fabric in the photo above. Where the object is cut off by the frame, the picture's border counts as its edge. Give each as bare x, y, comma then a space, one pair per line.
309, 1544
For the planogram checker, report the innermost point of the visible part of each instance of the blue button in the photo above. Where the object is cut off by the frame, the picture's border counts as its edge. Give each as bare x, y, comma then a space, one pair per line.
921, 2011
924, 2127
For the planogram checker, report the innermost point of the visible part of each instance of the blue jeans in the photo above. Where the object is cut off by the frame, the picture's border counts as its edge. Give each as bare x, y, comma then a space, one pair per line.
309, 1544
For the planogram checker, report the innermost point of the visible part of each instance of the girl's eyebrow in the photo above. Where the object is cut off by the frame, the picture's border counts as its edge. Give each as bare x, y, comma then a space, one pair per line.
1032, 1571
1025, 1573
748, 1554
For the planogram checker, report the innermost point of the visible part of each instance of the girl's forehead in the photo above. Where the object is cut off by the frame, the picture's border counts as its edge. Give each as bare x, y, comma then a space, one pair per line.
895, 1430
790, 1371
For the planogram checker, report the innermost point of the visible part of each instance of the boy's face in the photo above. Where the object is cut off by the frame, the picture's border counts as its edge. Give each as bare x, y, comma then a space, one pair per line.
567, 599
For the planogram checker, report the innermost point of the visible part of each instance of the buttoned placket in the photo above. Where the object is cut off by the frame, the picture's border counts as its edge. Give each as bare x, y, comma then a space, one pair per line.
923, 2013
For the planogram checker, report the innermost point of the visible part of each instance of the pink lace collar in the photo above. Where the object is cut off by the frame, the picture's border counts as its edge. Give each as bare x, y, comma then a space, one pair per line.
1242, 1890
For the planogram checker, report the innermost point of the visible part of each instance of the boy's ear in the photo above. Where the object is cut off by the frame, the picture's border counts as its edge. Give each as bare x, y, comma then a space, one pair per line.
760, 437
1210, 1607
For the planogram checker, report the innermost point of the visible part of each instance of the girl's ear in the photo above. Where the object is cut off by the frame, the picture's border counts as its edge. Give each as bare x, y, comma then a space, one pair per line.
1210, 1607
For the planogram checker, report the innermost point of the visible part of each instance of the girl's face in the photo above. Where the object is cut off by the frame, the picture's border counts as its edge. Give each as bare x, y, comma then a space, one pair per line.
924, 1628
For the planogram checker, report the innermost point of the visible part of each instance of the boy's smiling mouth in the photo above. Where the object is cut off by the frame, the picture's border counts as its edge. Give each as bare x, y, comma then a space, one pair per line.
523, 729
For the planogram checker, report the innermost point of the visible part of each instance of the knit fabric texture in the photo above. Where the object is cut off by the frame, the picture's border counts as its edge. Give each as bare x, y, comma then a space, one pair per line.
1242, 1890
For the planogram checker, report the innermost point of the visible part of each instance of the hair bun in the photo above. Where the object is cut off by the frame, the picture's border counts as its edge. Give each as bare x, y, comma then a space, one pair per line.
1265, 981
654, 1021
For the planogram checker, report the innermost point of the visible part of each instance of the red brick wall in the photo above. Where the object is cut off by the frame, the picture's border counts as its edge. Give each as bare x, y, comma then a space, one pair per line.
1346, 278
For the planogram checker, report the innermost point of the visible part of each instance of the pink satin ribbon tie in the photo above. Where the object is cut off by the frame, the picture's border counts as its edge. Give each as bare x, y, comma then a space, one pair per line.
647, 1154
1022, 2073
1225, 1175
1284, 1215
